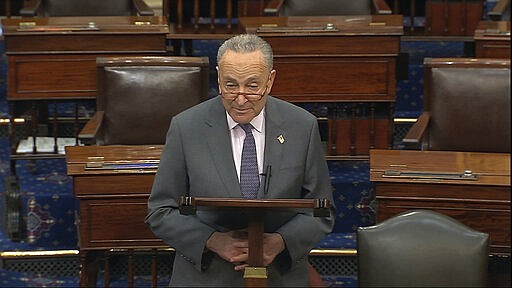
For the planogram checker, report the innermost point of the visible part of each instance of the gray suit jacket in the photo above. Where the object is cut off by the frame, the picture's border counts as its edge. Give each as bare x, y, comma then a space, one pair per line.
197, 161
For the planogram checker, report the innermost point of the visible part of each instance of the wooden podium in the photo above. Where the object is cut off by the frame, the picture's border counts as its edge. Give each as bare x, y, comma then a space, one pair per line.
473, 188
255, 275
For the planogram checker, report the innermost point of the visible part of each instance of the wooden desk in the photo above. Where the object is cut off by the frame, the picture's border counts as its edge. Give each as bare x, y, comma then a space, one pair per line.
351, 61
492, 39
113, 203
56, 57
355, 61
482, 203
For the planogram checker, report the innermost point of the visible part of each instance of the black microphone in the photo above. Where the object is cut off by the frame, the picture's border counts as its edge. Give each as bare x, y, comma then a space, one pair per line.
267, 174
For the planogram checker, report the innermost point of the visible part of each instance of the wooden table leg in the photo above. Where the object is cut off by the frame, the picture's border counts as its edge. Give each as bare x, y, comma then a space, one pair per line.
255, 275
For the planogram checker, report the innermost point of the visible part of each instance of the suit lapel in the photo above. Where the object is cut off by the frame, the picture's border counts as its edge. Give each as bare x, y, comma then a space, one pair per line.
219, 142
274, 137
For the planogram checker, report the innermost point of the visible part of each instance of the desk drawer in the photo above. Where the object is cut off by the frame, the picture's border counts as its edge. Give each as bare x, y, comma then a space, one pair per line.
115, 223
86, 43
331, 79
104, 185
348, 46
53, 76
456, 192
493, 49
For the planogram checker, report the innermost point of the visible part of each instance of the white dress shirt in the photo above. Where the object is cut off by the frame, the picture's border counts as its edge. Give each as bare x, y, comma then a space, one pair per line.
238, 137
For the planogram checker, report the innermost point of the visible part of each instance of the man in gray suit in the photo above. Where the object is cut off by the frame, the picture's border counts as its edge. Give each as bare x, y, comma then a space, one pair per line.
202, 157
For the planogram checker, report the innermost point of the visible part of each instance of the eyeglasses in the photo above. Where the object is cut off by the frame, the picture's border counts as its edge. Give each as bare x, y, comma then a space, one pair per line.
231, 92
232, 95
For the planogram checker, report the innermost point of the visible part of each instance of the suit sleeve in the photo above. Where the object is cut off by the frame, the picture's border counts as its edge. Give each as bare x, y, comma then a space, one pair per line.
304, 231
185, 233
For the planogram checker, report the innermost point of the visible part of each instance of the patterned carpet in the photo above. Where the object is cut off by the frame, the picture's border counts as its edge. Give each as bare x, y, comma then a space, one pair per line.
49, 207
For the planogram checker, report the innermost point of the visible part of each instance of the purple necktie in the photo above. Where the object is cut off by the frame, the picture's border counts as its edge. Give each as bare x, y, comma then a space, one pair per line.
249, 174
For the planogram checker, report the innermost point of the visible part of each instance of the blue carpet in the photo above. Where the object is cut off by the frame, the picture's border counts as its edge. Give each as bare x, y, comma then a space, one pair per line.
48, 204
332, 281
25, 279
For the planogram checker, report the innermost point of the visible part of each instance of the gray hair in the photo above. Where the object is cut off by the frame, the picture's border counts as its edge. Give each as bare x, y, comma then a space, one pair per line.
246, 43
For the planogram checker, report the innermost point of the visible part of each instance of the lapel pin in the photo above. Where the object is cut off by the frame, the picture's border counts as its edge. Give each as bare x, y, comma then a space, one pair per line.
280, 138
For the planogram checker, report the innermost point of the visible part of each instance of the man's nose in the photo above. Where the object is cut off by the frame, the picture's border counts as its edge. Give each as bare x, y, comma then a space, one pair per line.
240, 97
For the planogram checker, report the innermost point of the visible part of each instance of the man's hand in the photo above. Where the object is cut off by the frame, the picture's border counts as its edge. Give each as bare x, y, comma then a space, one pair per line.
273, 244
232, 246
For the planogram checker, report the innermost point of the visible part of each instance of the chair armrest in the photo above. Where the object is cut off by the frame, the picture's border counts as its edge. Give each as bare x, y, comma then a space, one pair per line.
142, 8
88, 133
500, 9
30, 8
273, 7
381, 7
417, 131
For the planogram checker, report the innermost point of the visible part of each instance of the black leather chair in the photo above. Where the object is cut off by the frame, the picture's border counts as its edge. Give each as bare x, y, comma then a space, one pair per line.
466, 106
55, 8
138, 96
421, 248
326, 7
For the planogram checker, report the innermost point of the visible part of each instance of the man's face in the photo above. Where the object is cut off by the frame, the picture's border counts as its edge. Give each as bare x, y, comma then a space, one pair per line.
244, 82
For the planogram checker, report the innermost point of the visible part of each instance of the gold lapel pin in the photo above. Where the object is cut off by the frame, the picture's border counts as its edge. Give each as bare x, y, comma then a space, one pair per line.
280, 138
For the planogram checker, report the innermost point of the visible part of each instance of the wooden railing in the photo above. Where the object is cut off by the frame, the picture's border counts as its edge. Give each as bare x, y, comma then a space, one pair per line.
208, 19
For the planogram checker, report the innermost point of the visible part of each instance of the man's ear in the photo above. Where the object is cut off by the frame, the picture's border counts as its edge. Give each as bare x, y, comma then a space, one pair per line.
272, 77
218, 79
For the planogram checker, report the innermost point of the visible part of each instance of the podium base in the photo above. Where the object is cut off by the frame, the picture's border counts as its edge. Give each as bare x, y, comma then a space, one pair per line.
255, 277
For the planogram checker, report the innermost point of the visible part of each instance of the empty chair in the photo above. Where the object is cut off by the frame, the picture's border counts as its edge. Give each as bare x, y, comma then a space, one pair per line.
421, 248
55, 8
326, 7
466, 106
138, 96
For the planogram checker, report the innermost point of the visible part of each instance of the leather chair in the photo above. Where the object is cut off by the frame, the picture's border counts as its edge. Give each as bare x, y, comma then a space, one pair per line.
421, 248
138, 96
55, 8
466, 106
326, 7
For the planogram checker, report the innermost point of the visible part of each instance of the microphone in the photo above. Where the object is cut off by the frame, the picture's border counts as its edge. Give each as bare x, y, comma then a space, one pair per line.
267, 174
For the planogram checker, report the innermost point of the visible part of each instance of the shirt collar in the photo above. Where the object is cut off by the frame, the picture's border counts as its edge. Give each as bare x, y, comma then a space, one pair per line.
256, 122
